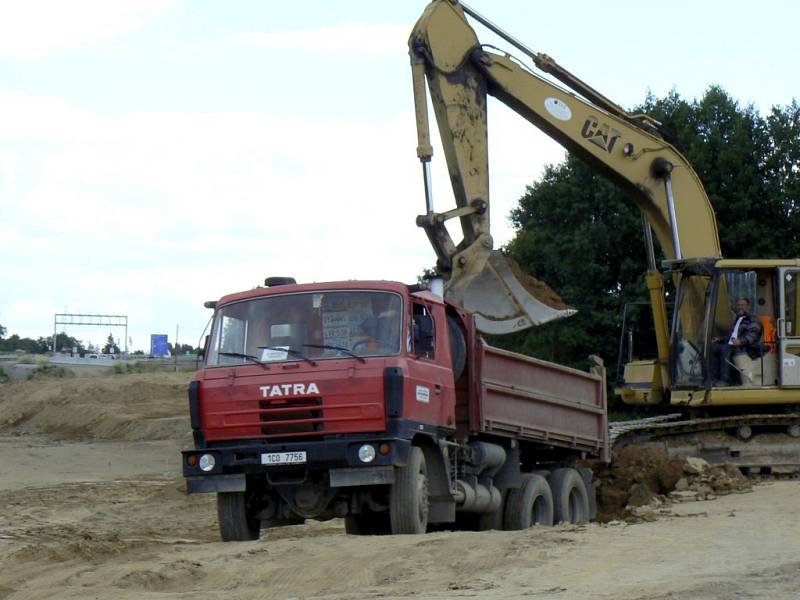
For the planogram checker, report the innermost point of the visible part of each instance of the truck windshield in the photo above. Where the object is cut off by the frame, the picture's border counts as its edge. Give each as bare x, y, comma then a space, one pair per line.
308, 326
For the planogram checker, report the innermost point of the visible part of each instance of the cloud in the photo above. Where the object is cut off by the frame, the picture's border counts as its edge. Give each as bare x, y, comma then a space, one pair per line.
158, 211
151, 213
363, 38
33, 28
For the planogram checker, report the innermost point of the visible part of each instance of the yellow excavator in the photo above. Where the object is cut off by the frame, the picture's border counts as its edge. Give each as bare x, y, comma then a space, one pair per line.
751, 422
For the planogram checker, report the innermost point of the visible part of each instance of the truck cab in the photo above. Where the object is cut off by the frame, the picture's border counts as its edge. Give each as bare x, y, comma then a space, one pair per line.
304, 362
305, 388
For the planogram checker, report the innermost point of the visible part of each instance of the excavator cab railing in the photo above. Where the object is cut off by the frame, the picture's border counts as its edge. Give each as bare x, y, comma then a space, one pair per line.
636, 324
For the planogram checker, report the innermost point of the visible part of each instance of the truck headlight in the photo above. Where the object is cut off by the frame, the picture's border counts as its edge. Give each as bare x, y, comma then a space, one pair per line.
207, 462
366, 453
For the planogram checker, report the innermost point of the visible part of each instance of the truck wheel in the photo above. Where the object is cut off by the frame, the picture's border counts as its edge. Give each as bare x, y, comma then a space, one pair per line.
236, 524
367, 523
408, 500
531, 504
458, 347
570, 498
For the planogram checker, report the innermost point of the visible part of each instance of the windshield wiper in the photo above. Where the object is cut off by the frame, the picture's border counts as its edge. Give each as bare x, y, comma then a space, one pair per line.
339, 348
289, 351
247, 356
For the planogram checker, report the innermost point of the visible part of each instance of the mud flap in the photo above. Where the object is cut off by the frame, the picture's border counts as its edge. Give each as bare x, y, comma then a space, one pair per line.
442, 507
588, 480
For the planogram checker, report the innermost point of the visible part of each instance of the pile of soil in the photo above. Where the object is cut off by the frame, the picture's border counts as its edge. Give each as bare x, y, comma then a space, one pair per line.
702, 481
639, 481
538, 289
112, 407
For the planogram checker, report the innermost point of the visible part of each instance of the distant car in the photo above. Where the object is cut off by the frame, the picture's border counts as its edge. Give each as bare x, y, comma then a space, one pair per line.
93, 356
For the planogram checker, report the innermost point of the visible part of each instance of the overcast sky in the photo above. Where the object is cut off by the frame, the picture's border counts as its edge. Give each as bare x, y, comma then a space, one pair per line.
155, 154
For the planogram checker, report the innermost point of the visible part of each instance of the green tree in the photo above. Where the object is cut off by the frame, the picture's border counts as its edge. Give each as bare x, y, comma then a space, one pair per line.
111, 346
182, 349
63, 342
743, 160
580, 234
14, 342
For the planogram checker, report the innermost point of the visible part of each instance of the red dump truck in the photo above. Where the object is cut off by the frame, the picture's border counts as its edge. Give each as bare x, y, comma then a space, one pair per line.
378, 402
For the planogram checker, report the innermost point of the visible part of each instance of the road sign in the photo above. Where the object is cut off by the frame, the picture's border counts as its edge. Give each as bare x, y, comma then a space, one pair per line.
159, 346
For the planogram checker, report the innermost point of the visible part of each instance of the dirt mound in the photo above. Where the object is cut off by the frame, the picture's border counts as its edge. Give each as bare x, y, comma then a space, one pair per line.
639, 481
538, 289
118, 407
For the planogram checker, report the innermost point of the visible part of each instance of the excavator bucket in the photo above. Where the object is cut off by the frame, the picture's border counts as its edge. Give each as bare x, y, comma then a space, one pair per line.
504, 298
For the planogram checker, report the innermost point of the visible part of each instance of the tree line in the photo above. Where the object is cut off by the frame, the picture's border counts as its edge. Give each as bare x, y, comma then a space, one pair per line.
39, 345
64, 342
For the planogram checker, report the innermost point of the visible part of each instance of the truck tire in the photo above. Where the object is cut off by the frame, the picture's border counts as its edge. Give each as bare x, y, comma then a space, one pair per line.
236, 524
570, 498
408, 499
367, 523
458, 347
530, 504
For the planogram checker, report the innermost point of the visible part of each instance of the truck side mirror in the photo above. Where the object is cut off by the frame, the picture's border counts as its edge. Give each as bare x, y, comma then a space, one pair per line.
423, 334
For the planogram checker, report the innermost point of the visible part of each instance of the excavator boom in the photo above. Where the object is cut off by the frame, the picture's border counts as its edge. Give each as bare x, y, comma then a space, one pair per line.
460, 74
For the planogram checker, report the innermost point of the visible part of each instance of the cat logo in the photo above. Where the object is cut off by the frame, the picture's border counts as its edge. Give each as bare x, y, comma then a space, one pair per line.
601, 135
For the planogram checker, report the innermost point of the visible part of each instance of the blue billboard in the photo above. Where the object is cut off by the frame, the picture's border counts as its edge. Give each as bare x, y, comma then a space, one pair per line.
159, 345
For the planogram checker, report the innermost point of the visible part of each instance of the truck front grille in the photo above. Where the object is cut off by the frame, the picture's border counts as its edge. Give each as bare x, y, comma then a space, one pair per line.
295, 416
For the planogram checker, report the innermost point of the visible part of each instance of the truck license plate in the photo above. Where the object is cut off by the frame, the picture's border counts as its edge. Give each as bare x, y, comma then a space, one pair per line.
283, 458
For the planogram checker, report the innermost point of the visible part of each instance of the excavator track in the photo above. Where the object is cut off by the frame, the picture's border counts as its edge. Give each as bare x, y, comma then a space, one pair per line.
759, 444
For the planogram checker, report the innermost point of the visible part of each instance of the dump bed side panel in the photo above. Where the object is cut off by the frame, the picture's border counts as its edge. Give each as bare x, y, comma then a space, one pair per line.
530, 399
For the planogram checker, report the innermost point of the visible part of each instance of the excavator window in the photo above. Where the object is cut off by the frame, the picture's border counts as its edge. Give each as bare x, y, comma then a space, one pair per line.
788, 334
689, 334
791, 301
733, 285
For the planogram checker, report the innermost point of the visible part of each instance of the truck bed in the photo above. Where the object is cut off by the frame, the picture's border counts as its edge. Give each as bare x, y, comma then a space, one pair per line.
529, 399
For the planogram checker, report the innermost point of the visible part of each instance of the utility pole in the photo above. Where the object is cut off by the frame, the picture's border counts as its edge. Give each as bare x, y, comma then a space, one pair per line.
176, 348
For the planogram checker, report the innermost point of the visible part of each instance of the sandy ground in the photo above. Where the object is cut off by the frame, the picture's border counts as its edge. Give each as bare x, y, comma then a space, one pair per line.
93, 507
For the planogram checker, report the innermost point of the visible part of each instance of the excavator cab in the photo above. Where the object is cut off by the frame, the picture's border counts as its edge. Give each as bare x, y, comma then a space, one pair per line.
704, 310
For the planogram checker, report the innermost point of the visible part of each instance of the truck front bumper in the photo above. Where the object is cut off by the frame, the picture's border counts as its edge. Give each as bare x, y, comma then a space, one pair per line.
234, 462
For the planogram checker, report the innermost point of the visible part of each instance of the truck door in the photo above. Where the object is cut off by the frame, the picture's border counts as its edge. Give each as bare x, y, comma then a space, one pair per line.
789, 327
431, 398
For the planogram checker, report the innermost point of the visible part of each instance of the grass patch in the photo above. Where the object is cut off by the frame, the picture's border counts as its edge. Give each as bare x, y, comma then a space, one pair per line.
32, 359
3, 375
142, 367
50, 372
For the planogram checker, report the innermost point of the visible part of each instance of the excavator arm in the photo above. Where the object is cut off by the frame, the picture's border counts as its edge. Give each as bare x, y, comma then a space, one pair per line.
460, 73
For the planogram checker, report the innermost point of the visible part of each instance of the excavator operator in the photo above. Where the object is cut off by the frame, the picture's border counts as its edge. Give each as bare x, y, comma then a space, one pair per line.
744, 338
